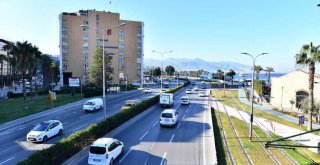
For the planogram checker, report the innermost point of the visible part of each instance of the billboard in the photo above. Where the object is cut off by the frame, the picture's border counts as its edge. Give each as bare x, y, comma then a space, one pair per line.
74, 82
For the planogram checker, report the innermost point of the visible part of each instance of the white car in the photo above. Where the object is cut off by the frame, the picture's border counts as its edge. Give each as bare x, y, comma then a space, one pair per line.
105, 151
169, 117
45, 130
202, 94
196, 88
188, 91
185, 100
93, 104
147, 90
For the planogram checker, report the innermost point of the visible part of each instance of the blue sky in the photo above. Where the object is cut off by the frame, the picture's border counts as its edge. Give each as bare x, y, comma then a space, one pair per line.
209, 29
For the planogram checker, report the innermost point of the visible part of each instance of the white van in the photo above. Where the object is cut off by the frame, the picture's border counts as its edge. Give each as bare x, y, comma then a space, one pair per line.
166, 99
93, 104
169, 117
105, 151
185, 100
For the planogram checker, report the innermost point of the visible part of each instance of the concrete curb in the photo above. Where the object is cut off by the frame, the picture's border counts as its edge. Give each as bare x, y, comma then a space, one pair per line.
73, 160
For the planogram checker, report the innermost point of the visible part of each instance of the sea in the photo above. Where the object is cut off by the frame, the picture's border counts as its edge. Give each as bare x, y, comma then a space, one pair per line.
262, 76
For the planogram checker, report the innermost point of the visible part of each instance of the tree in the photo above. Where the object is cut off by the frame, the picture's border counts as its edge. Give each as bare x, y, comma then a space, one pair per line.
2, 60
34, 56
269, 70
46, 61
309, 55
170, 70
231, 74
23, 52
96, 71
292, 103
257, 70
220, 73
156, 71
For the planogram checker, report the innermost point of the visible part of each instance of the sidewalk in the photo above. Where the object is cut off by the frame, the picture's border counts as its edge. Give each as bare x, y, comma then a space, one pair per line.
277, 128
243, 99
69, 106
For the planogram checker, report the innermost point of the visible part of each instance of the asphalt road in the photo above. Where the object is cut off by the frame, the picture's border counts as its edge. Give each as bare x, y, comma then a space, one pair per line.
15, 148
190, 142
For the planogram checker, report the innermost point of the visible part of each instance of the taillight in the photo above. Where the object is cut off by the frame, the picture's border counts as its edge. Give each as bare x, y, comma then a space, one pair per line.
107, 156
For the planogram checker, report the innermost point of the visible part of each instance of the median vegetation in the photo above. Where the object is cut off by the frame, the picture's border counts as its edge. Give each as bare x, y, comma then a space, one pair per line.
67, 147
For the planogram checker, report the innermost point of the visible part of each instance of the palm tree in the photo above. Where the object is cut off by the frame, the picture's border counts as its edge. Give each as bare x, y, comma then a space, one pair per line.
34, 56
23, 52
9, 59
2, 60
309, 55
231, 74
257, 70
269, 70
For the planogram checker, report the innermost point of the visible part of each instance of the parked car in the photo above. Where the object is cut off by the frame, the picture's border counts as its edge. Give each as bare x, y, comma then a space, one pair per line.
185, 100
193, 83
147, 90
45, 130
169, 117
196, 88
188, 91
202, 94
93, 104
166, 99
129, 104
105, 151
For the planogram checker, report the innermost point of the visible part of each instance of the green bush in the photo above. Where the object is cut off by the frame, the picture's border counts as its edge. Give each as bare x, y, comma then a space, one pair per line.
74, 143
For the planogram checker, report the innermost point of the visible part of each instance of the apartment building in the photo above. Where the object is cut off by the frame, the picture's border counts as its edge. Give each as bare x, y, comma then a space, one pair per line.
78, 45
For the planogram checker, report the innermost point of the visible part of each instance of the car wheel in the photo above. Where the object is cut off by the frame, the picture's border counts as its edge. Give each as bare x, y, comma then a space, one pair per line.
60, 132
45, 138
101, 107
111, 162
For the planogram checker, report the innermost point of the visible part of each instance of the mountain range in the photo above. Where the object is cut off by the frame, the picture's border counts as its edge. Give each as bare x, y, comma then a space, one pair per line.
196, 64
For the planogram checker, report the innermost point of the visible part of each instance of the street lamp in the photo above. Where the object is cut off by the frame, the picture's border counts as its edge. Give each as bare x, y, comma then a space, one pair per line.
252, 89
161, 54
224, 81
103, 67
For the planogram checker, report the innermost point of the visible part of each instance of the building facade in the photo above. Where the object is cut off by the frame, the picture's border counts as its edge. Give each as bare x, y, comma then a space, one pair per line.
78, 45
292, 86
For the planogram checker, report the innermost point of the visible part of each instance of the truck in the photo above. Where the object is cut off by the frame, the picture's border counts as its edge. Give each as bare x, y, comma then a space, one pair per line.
93, 104
166, 99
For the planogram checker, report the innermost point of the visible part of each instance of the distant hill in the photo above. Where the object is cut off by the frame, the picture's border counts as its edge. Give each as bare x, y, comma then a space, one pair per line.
197, 64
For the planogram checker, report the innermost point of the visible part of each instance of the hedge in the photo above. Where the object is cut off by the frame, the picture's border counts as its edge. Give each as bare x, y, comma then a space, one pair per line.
69, 146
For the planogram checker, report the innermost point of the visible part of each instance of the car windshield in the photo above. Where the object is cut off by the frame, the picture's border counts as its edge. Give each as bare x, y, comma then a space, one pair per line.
97, 150
166, 115
88, 103
184, 99
128, 104
40, 127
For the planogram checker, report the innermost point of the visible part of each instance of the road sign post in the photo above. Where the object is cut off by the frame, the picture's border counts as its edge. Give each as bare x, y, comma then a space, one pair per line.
301, 122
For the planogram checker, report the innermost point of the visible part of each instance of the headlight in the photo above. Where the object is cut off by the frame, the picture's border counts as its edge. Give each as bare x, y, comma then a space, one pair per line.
38, 136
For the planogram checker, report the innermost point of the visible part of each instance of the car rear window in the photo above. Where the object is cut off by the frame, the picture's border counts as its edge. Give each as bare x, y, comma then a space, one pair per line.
97, 150
184, 99
88, 103
166, 115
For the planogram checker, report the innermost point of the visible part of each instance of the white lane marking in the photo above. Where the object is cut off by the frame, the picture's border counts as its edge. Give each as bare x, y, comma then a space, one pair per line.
125, 156
187, 110
65, 123
163, 158
171, 138
5, 133
183, 117
84, 116
178, 125
7, 160
155, 123
144, 135
57, 117
67, 114
203, 141
79, 127
21, 128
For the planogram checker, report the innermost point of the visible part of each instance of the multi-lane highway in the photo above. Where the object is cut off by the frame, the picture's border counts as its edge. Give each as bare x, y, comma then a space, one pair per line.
15, 148
190, 142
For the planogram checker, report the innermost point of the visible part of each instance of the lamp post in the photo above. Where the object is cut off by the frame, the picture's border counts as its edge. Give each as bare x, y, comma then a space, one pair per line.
224, 81
103, 65
161, 54
252, 89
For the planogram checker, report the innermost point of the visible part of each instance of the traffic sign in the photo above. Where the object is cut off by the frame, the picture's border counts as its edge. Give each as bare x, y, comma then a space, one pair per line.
301, 120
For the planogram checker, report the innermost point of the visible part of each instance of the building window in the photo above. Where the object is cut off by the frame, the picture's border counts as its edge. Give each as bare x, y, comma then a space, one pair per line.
139, 41
85, 22
64, 35
97, 17
139, 47
121, 67
85, 51
64, 50
64, 43
121, 59
139, 27
85, 29
65, 66
64, 57
85, 59
121, 45
85, 66
121, 52
64, 28
121, 33
139, 34
85, 36
64, 21
97, 23
121, 39
85, 44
